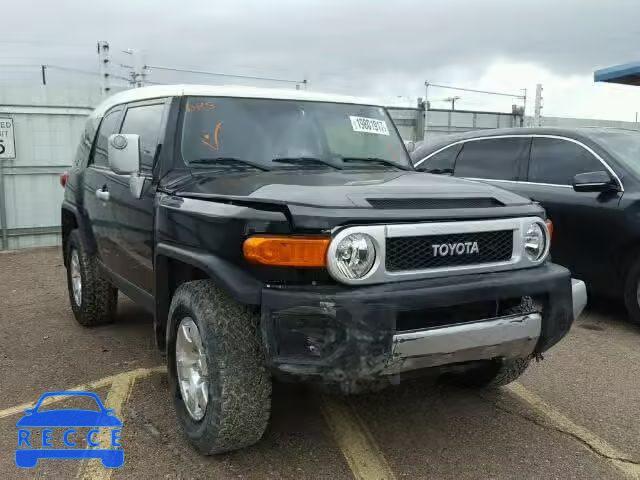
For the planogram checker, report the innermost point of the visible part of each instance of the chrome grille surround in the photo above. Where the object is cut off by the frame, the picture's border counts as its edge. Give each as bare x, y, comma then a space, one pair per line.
380, 234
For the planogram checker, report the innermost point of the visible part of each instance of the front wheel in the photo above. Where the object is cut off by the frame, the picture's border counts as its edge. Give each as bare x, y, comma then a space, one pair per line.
495, 373
217, 373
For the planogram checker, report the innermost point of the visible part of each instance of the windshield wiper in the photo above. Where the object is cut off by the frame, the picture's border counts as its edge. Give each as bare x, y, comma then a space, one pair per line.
230, 161
305, 161
379, 161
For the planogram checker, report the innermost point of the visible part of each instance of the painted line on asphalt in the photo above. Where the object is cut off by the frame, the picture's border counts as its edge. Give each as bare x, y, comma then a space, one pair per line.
92, 469
101, 383
364, 457
549, 415
119, 393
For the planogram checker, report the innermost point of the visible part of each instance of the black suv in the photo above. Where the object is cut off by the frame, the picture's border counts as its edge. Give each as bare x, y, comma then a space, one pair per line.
284, 234
588, 181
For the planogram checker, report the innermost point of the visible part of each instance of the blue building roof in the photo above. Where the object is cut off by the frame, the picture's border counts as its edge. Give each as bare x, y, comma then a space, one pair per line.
627, 74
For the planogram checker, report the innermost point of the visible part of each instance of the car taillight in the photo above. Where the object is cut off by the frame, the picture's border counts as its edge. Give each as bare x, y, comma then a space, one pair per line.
64, 178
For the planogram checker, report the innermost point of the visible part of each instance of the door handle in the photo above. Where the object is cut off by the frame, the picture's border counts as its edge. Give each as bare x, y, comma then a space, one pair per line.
102, 195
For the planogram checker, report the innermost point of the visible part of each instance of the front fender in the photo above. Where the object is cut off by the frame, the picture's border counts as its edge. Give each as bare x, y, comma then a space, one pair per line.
237, 283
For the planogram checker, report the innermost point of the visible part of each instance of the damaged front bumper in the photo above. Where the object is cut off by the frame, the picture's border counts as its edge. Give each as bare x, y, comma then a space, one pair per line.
346, 334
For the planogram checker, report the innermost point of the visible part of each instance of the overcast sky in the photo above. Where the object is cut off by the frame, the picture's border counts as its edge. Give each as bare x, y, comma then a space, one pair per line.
385, 49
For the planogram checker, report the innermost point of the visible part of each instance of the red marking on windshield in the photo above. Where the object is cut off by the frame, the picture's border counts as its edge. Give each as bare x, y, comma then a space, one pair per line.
200, 107
206, 138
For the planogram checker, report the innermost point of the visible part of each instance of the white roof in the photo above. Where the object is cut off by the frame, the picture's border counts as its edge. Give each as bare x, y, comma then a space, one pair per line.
147, 93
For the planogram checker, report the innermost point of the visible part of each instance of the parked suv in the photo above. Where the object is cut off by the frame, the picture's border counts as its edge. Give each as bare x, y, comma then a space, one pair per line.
588, 181
284, 234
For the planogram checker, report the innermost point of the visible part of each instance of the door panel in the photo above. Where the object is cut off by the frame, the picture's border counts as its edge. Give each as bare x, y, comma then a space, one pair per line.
132, 256
99, 211
584, 222
96, 179
131, 236
584, 229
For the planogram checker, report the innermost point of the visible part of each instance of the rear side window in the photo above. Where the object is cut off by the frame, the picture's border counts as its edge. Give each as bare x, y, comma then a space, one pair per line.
495, 158
441, 162
557, 161
86, 140
108, 126
146, 121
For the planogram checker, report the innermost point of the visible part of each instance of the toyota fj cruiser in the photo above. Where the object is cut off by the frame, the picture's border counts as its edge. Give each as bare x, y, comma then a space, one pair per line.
285, 234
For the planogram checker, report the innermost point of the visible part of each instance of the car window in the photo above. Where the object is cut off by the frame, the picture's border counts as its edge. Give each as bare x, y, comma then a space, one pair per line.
441, 162
145, 120
260, 131
495, 158
108, 126
557, 161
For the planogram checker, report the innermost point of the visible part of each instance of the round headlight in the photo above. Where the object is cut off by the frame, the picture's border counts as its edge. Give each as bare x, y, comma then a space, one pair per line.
535, 242
354, 256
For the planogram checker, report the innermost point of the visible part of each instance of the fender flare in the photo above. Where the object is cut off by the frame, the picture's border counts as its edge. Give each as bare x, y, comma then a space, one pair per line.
83, 226
237, 283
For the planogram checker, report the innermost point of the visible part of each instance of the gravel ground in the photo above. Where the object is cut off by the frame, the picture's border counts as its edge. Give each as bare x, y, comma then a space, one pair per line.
422, 430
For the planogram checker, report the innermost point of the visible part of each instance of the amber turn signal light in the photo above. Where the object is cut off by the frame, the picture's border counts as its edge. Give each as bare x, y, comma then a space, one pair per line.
550, 228
305, 252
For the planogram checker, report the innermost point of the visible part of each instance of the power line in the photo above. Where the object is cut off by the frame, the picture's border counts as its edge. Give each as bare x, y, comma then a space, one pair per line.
21, 66
72, 69
247, 77
473, 90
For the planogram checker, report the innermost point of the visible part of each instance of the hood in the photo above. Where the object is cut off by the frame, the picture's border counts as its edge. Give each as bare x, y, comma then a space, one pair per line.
340, 189
363, 194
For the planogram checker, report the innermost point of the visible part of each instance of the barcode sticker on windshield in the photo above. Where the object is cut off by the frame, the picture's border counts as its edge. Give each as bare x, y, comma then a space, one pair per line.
369, 125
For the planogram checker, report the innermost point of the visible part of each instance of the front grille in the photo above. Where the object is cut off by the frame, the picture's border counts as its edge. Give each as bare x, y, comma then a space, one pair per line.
417, 253
434, 203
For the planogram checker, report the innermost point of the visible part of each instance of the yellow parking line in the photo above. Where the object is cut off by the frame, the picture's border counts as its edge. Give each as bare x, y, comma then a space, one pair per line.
117, 397
103, 382
358, 446
602, 448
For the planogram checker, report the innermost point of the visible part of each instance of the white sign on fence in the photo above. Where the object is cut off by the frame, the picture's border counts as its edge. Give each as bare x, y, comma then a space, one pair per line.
7, 141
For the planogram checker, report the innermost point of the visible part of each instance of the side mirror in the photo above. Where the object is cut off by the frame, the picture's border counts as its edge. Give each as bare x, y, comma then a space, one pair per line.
411, 145
124, 153
124, 159
599, 181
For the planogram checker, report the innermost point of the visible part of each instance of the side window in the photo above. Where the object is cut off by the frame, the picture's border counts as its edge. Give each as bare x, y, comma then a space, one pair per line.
556, 161
108, 126
442, 162
495, 158
145, 120
83, 152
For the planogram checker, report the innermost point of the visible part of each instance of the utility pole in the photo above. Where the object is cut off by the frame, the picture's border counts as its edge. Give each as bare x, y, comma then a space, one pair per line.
105, 62
537, 113
453, 101
139, 70
426, 109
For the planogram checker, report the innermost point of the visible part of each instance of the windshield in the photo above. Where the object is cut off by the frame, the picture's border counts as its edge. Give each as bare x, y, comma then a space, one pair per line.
624, 145
276, 134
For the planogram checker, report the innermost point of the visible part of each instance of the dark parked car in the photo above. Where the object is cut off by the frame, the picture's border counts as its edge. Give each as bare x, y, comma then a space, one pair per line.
279, 233
587, 179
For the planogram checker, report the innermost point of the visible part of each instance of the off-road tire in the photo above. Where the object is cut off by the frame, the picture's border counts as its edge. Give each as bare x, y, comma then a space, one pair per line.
239, 383
497, 372
99, 298
631, 300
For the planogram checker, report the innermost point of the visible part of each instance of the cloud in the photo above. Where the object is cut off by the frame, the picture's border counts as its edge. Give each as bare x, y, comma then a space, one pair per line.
364, 47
